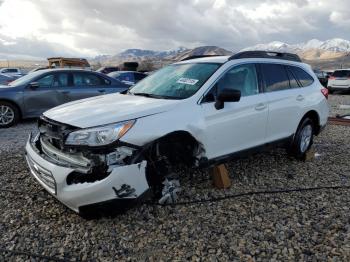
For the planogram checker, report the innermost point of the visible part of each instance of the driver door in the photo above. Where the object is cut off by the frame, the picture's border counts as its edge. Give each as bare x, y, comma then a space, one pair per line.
239, 125
43, 96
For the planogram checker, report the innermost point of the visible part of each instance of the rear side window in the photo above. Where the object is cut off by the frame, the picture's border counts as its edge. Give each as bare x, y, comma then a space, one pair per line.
275, 77
86, 79
304, 78
341, 73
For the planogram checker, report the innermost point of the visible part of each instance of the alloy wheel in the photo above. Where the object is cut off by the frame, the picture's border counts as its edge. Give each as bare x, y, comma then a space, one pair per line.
7, 115
306, 136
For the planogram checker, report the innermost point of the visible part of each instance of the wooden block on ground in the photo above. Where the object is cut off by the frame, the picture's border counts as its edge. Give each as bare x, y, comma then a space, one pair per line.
220, 176
310, 154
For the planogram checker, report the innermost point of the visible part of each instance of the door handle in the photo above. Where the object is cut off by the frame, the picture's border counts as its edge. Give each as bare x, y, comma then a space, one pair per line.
65, 92
300, 98
102, 91
260, 107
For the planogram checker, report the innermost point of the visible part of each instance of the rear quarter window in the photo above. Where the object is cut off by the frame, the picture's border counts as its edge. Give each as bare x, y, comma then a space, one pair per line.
303, 77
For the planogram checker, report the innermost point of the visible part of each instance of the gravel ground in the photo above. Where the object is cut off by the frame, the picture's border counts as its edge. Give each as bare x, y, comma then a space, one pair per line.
307, 225
336, 102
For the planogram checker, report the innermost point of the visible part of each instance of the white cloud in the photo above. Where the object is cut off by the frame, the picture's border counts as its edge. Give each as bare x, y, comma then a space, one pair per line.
91, 27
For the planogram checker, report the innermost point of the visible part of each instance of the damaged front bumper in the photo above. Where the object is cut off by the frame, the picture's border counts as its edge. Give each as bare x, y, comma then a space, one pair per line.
124, 184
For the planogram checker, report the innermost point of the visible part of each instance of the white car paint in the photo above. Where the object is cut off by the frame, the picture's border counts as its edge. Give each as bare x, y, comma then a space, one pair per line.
253, 121
337, 82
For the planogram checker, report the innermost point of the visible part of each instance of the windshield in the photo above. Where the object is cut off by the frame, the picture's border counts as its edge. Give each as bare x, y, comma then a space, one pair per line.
177, 81
25, 79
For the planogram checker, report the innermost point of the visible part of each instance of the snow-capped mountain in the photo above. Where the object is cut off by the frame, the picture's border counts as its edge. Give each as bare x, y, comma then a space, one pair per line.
129, 53
138, 55
332, 45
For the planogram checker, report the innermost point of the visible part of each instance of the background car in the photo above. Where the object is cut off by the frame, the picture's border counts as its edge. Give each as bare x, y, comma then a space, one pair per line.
322, 77
128, 77
31, 95
339, 81
107, 69
6, 79
11, 71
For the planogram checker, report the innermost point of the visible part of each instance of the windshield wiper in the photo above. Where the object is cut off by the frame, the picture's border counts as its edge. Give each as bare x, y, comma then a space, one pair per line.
154, 96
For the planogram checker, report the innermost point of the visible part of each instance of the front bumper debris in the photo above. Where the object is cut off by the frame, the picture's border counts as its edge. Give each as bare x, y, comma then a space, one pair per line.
125, 183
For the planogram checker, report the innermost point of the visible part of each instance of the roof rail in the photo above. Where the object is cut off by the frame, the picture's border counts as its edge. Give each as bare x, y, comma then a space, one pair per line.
197, 56
266, 54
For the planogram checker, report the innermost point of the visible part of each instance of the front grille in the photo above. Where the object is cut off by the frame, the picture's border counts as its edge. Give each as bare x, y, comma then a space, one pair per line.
42, 174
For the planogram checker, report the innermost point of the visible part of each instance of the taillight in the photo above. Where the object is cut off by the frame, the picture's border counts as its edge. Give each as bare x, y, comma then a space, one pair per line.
325, 92
331, 77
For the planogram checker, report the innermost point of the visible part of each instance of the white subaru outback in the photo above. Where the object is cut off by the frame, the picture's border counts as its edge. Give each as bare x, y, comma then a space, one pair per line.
110, 151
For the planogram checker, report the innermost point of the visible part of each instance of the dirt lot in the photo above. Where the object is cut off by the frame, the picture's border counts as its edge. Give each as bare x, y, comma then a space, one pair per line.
299, 225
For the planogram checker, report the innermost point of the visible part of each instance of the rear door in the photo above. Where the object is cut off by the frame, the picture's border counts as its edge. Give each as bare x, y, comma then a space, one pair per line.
285, 101
86, 84
43, 97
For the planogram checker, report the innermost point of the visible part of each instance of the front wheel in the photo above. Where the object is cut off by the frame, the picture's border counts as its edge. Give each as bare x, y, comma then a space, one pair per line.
9, 114
303, 139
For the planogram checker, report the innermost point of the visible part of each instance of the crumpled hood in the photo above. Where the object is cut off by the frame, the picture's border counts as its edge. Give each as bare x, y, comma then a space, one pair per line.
107, 109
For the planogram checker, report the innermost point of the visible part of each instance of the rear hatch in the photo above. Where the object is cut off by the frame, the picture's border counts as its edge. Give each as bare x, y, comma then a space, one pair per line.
340, 78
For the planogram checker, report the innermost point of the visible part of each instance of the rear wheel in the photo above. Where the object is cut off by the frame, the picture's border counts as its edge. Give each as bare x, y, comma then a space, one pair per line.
9, 114
303, 139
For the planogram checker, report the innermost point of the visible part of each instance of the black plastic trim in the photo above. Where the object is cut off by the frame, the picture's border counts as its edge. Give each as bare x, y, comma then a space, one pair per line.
266, 54
284, 142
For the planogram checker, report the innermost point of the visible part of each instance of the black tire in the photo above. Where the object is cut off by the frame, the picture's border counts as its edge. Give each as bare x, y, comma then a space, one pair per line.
5, 122
300, 145
330, 91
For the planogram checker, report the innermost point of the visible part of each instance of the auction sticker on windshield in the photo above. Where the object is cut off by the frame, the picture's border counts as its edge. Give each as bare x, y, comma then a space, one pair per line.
187, 81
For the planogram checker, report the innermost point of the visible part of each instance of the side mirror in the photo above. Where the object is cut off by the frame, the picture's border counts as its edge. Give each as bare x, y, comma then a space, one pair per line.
34, 85
227, 95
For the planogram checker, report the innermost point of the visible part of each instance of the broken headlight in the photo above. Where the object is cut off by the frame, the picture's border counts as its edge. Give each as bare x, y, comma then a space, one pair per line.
99, 136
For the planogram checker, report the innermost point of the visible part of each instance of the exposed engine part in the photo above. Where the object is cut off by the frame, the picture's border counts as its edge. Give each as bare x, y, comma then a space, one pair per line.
170, 192
119, 155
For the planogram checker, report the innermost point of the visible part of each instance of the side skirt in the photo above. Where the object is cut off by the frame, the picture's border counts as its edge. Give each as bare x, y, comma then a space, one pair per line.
281, 143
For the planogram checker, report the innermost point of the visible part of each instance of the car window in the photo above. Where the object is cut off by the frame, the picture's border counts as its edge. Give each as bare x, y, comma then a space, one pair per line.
45, 81
12, 70
275, 76
292, 80
304, 78
4, 70
139, 77
126, 77
86, 79
242, 78
341, 73
61, 80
